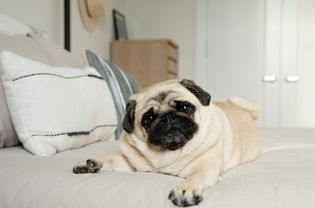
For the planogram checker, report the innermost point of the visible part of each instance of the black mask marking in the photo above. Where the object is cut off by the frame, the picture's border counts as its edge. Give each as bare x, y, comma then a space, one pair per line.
172, 131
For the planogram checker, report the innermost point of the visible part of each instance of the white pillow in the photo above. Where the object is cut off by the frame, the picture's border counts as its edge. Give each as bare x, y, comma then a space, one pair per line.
56, 108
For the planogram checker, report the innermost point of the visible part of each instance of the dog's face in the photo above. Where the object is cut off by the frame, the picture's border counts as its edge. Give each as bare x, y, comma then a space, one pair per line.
165, 115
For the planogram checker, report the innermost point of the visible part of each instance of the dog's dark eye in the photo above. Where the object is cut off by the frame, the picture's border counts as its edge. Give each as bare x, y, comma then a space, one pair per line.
148, 118
185, 107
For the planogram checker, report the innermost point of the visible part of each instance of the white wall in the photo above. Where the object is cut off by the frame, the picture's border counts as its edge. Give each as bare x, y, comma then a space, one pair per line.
48, 15
99, 40
174, 19
38, 13
146, 19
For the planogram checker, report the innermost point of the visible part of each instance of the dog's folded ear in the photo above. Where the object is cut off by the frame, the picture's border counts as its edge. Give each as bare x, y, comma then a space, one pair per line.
202, 95
129, 119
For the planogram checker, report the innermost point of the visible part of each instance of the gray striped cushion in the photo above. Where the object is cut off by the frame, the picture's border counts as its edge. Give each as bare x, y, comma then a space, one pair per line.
121, 84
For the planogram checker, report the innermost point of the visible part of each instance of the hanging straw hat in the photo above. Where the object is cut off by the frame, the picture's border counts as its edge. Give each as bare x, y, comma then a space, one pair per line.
91, 11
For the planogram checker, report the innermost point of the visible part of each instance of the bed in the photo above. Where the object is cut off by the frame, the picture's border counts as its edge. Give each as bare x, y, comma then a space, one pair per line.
283, 177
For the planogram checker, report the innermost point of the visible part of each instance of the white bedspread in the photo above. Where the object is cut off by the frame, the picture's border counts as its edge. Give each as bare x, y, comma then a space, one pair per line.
283, 177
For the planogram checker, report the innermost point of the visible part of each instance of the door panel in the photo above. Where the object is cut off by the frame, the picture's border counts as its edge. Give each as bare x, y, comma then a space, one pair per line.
288, 67
235, 49
306, 64
272, 52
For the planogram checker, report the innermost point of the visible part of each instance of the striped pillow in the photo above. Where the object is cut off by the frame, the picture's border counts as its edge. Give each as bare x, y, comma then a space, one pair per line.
121, 84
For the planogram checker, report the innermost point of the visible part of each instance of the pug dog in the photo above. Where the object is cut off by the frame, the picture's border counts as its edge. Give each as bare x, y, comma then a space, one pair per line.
173, 128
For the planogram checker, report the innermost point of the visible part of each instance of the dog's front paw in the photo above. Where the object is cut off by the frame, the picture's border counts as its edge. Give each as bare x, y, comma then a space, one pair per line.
185, 198
90, 166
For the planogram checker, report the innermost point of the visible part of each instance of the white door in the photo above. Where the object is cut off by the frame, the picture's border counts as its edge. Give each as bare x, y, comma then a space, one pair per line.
234, 50
306, 64
263, 50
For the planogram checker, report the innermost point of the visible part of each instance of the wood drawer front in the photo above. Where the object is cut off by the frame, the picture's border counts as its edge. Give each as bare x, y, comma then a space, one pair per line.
172, 52
171, 76
172, 66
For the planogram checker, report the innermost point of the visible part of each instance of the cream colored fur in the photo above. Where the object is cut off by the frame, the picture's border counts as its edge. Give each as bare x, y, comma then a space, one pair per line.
227, 137
248, 105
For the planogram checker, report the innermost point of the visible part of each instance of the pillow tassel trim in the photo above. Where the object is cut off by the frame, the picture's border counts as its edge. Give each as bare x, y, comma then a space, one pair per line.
57, 75
75, 133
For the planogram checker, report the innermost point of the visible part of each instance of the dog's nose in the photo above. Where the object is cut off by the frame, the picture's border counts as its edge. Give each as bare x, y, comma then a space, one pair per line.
170, 118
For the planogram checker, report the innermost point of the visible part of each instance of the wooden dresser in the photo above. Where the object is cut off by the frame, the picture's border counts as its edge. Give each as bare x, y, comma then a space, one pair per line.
148, 61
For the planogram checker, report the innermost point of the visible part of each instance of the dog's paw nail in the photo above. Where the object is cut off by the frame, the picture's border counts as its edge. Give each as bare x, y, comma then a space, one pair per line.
90, 166
184, 198
80, 169
75, 170
93, 166
198, 198
171, 195
91, 163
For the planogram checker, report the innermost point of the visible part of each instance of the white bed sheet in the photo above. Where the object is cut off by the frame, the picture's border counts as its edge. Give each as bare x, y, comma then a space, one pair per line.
283, 177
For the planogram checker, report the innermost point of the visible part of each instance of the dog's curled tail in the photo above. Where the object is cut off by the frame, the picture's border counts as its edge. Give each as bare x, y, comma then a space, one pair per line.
253, 108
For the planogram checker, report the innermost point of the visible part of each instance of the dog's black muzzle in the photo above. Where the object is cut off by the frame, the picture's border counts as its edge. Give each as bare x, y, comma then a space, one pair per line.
172, 131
